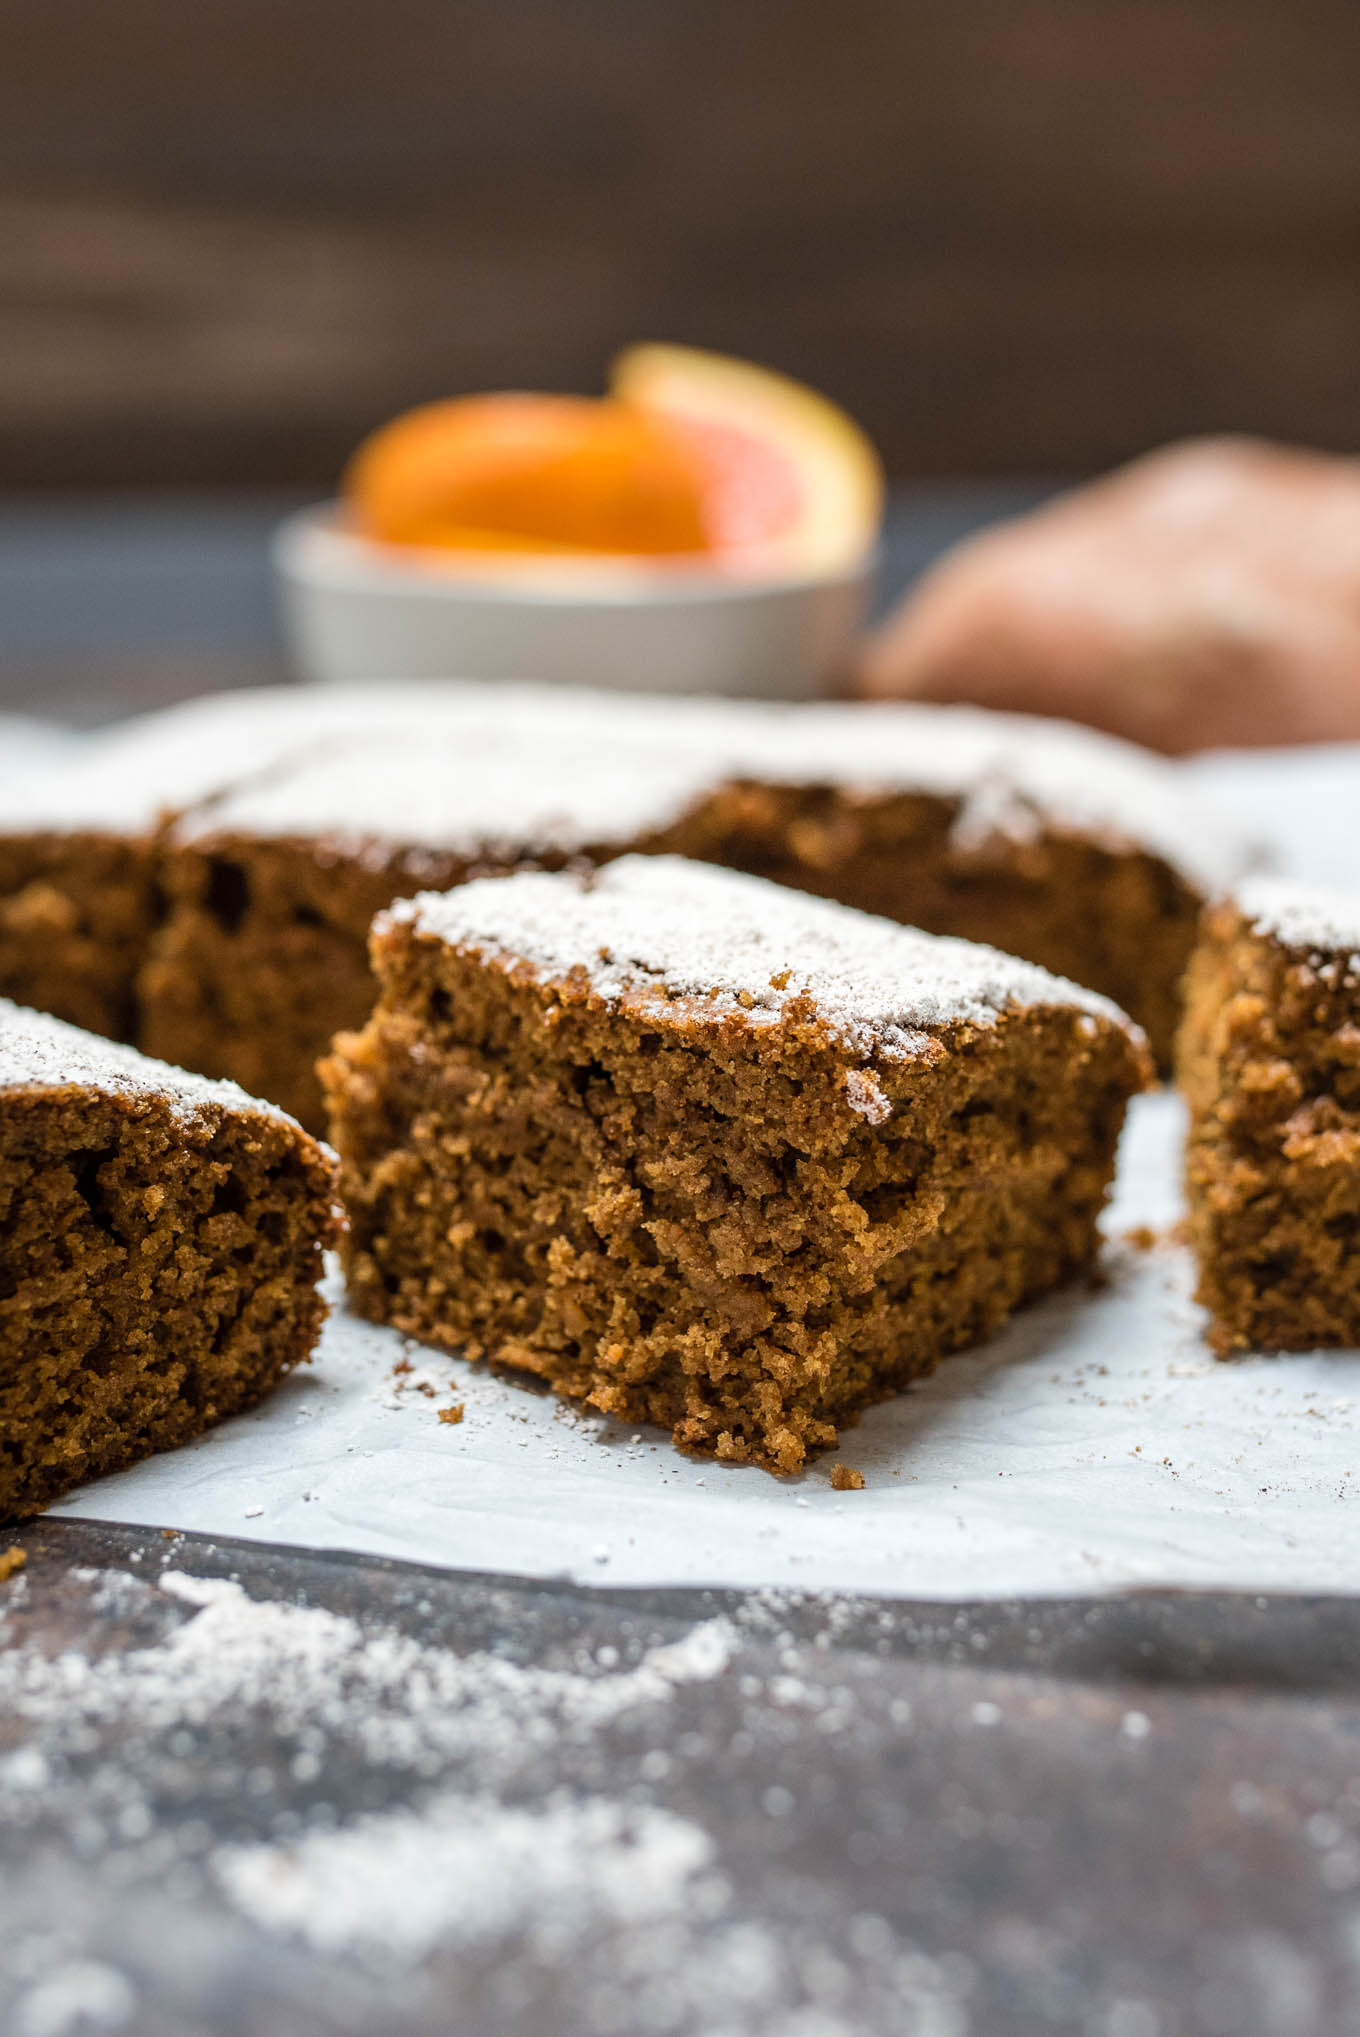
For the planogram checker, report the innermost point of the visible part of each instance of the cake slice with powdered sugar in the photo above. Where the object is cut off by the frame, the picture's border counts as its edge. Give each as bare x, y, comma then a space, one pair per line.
702, 1151
161, 1241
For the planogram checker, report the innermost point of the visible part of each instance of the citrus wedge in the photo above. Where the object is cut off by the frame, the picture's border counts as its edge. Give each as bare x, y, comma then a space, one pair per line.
792, 485
691, 461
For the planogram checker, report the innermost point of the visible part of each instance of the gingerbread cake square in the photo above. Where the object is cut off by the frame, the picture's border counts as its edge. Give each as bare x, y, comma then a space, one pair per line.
1076, 851
161, 1240
80, 835
702, 1151
1269, 1060
79, 878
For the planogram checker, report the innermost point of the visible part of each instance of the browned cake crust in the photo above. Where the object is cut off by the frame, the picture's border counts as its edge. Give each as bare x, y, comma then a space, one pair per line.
1269, 1060
160, 1246
743, 1230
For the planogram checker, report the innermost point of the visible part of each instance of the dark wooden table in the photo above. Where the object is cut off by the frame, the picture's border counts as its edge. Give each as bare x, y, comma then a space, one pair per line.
1134, 1817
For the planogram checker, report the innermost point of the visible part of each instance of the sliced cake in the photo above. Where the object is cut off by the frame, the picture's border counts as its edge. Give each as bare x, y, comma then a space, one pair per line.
161, 1241
1269, 1059
1049, 842
702, 1151
80, 891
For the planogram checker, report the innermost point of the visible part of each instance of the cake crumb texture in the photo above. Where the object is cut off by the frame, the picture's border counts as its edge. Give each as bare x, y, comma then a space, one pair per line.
844, 1478
161, 1240
1269, 1060
599, 1129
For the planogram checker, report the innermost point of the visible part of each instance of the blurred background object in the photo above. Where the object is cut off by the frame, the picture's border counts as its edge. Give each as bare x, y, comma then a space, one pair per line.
1205, 596
1015, 238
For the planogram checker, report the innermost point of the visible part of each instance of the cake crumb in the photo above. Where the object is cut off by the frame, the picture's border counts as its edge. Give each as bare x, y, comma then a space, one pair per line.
12, 1562
1141, 1237
453, 1414
844, 1478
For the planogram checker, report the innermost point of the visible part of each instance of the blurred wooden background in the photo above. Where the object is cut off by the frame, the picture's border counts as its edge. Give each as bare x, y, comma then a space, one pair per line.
1013, 235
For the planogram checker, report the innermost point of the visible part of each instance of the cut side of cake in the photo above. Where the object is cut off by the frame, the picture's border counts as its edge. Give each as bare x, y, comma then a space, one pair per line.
1048, 841
1069, 849
79, 860
80, 835
702, 1151
1269, 1060
161, 1240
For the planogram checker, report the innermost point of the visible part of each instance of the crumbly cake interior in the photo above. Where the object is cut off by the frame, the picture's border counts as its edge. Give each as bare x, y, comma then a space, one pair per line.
737, 1212
159, 1254
264, 956
77, 911
1269, 1060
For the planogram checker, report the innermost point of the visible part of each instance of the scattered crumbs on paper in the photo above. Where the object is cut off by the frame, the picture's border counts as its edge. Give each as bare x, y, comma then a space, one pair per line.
453, 1414
845, 1478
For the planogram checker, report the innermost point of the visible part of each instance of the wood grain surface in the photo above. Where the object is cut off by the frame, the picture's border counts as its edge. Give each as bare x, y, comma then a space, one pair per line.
1011, 234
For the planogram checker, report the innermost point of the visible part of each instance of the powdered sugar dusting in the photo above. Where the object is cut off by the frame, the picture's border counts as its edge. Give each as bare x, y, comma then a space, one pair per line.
658, 928
128, 779
38, 1051
476, 769
1322, 918
485, 792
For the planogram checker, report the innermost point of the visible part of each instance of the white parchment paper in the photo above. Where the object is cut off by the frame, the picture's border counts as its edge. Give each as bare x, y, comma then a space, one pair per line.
1094, 1445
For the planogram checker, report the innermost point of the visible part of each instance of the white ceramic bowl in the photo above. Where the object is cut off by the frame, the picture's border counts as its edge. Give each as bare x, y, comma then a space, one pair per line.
356, 610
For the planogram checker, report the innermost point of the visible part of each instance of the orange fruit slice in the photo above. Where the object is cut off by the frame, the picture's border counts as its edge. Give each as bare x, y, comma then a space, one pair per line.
793, 483
532, 474
692, 459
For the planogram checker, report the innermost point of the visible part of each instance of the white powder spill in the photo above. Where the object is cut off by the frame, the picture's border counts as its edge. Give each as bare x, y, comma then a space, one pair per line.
401, 1699
649, 928
458, 1866
496, 1821
463, 1869
80, 1997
